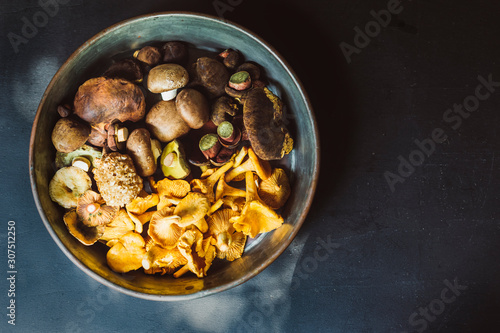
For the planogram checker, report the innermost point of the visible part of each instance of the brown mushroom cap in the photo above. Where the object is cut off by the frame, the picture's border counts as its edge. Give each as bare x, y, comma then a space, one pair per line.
85, 234
69, 134
212, 75
93, 211
101, 100
167, 77
193, 107
165, 123
262, 116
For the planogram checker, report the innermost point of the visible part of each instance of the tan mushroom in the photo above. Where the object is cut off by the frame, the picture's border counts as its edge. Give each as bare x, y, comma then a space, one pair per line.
93, 211
191, 209
166, 79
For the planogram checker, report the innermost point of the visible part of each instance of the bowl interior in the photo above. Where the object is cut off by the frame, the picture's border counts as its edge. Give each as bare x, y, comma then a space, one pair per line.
211, 34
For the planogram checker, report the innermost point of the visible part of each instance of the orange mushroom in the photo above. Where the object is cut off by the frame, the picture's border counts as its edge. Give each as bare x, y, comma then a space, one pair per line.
253, 163
126, 253
230, 243
198, 252
275, 190
93, 211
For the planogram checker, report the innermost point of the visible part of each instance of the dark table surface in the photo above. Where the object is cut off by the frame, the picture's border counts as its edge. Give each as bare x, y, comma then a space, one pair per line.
406, 210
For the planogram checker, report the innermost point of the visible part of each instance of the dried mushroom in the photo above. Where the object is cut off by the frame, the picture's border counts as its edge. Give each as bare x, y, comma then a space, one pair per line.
67, 185
69, 134
93, 211
126, 253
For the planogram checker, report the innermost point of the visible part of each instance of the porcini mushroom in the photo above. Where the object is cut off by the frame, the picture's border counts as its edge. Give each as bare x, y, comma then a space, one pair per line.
230, 243
93, 211
101, 101
211, 75
192, 107
275, 190
165, 79
263, 119
165, 123
70, 134
149, 55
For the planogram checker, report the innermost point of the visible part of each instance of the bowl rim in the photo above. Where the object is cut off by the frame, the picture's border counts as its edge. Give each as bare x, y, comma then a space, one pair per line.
309, 195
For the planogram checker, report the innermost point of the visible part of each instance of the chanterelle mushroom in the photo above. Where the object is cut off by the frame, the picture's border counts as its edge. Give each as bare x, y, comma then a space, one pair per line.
101, 101
126, 253
161, 260
199, 253
229, 242
166, 79
118, 227
256, 217
275, 190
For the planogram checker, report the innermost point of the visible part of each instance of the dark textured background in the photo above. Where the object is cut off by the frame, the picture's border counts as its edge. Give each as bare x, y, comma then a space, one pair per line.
392, 251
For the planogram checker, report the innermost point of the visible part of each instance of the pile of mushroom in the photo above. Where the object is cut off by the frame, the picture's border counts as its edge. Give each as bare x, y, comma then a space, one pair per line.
128, 148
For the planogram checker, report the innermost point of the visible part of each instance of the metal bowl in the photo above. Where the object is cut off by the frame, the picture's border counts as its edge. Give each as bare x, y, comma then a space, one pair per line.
209, 33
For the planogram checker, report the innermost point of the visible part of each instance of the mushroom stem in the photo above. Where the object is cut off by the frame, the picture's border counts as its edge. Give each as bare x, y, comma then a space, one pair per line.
169, 95
223, 241
92, 208
181, 271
